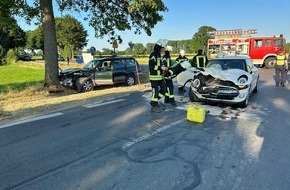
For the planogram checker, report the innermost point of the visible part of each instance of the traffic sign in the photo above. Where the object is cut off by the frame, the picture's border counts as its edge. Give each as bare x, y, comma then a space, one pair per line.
93, 50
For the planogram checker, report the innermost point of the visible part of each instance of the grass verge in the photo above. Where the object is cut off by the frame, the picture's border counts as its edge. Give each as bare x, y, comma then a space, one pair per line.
18, 102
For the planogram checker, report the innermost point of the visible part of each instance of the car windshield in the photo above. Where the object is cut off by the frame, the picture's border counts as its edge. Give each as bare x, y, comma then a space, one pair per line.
226, 64
92, 64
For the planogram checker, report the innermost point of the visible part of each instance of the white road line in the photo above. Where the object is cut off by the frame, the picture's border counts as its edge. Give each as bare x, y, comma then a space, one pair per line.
32, 119
97, 104
128, 144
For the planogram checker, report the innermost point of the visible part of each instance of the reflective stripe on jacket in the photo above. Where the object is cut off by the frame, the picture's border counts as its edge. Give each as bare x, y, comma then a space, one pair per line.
155, 68
280, 60
198, 58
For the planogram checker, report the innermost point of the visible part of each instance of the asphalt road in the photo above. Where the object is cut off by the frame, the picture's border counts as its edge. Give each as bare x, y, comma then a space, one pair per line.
119, 144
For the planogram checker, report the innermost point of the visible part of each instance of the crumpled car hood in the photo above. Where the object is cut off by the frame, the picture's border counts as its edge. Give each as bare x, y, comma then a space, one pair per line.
70, 70
226, 75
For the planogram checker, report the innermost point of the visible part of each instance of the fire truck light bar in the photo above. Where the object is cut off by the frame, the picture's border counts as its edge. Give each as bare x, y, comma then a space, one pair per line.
232, 32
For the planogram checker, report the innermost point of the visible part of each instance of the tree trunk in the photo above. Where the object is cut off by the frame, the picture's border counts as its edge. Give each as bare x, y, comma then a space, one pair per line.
50, 46
72, 52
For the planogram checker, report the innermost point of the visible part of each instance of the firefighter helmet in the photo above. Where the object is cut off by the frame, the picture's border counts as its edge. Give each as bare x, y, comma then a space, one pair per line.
169, 48
182, 52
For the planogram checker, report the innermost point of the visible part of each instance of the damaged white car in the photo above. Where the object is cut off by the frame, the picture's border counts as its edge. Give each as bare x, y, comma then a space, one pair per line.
229, 80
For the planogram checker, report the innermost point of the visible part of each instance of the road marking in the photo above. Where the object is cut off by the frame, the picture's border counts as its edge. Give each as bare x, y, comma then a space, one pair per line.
128, 144
97, 104
30, 120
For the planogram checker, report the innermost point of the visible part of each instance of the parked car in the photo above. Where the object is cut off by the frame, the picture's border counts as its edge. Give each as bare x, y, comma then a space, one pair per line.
102, 71
24, 57
229, 80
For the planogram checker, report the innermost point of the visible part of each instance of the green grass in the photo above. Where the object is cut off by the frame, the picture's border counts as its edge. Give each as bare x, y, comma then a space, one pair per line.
19, 77
24, 75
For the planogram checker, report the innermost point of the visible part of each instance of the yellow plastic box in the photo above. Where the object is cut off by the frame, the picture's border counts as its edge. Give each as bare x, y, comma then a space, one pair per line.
196, 113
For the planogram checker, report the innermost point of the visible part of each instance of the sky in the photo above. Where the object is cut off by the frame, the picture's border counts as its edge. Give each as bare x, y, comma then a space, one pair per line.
185, 17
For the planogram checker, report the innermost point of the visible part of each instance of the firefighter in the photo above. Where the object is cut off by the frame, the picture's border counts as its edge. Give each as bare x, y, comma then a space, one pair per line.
287, 71
281, 67
156, 77
213, 55
182, 57
199, 60
167, 62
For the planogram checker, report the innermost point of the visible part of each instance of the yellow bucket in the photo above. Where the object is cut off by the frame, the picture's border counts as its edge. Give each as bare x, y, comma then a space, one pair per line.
195, 113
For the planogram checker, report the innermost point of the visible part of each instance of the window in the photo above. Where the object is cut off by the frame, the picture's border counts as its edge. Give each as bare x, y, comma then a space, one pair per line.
258, 43
129, 62
249, 64
267, 43
106, 65
278, 43
236, 64
118, 64
92, 64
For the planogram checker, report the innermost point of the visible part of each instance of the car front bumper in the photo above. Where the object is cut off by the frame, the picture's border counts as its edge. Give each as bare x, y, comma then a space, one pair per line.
221, 94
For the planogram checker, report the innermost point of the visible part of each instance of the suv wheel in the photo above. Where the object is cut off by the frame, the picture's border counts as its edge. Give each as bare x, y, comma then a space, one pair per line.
84, 85
130, 80
87, 86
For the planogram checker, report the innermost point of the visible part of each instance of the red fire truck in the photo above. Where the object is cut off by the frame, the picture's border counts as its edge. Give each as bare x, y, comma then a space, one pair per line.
262, 50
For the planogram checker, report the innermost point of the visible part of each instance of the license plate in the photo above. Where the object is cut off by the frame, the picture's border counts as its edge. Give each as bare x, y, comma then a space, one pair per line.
227, 91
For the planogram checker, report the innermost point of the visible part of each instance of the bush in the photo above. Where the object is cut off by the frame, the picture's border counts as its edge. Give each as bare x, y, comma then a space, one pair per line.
2, 54
67, 52
11, 57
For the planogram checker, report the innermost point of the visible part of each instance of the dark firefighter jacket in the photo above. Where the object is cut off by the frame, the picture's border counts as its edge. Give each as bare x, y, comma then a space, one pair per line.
155, 63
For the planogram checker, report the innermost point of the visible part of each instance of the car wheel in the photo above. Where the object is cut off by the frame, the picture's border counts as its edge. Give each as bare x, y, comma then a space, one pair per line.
245, 103
87, 86
256, 89
197, 82
269, 63
84, 85
130, 80
192, 95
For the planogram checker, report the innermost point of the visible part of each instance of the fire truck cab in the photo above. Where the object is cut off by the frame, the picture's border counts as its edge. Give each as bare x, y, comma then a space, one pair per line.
262, 50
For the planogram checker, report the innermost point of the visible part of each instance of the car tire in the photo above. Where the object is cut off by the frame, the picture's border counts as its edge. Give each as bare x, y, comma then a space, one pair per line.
197, 82
245, 103
84, 85
192, 95
269, 63
130, 80
256, 89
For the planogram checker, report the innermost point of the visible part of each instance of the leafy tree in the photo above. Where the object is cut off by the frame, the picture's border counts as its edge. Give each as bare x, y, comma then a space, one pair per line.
149, 47
70, 33
107, 51
139, 49
67, 52
200, 38
35, 39
288, 47
179, 45
11, 57
105, 16
2, 55
128, 51
11, 35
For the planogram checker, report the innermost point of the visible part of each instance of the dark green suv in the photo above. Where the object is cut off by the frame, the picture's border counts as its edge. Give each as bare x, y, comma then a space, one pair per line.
102, 71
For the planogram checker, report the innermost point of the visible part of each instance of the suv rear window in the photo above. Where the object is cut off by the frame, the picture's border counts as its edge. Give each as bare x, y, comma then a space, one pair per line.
118, 64
129, 62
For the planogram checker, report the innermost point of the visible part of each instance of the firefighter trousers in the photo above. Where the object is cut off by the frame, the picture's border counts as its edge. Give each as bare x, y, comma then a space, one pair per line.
280, 74
169, 95
158, 91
